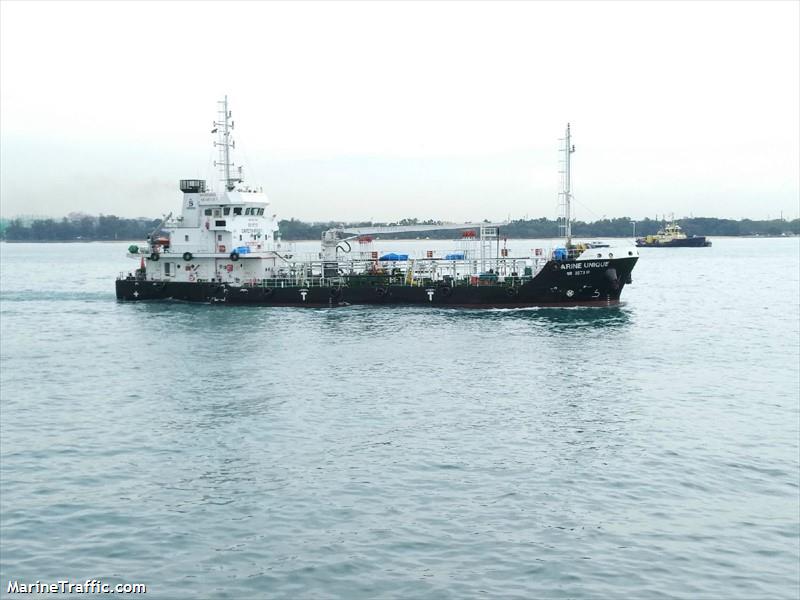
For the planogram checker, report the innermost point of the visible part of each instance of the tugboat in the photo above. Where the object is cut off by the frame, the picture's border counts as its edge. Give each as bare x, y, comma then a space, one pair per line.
225, 248
672, 236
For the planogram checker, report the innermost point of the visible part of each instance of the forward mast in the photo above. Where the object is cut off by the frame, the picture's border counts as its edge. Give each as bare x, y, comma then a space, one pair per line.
565, 195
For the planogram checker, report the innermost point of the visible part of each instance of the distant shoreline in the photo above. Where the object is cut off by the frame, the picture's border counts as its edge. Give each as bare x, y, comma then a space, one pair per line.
391, 239
108, 228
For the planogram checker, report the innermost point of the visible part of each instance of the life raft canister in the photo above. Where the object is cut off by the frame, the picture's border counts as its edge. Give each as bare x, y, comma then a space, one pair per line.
187, 256
234, 256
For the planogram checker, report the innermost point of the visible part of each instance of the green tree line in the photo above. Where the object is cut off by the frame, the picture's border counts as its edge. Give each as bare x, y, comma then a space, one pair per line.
86, 228
293, 229
109, 227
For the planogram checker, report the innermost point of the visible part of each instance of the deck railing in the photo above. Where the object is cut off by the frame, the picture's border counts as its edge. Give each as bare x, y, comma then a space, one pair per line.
427, 271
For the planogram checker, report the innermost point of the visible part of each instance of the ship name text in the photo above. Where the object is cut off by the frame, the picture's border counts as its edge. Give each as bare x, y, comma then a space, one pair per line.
585, 265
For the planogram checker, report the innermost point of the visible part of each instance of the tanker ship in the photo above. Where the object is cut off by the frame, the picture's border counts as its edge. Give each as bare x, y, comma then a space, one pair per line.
224, 247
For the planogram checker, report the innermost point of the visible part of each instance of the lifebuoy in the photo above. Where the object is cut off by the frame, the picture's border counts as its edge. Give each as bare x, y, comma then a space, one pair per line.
154, 256
234, 256
447, 291
187, 256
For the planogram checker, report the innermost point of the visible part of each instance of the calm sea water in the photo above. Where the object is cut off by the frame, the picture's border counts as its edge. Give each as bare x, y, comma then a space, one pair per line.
644, 451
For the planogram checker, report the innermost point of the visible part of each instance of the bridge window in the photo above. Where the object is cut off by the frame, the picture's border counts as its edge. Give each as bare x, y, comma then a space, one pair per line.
220, 223
237, 210
226, 211
207, 212
216, 212
166, 268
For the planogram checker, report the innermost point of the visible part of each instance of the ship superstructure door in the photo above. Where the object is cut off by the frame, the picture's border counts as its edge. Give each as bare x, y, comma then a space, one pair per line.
490, 244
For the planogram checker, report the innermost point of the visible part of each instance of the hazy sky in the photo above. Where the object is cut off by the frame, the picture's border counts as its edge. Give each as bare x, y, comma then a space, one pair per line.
443, 110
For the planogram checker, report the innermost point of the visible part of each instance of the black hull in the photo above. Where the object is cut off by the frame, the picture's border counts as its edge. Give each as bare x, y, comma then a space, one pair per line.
566, 283
692, 242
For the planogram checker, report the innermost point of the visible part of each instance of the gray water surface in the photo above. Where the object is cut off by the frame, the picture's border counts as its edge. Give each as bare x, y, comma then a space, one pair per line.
644, 451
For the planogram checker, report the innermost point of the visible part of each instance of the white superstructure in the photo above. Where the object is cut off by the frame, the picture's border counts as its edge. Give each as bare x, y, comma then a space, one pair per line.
226, 236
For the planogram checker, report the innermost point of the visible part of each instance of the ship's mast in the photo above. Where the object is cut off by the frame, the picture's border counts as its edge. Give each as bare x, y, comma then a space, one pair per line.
223, 128
565, 195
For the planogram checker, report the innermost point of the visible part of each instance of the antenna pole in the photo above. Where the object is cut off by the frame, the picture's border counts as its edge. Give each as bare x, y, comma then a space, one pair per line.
223, 128
565, 216
225, 147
